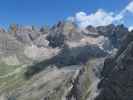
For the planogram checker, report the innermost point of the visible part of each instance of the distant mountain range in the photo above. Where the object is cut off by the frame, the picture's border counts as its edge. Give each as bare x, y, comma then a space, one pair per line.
65, 62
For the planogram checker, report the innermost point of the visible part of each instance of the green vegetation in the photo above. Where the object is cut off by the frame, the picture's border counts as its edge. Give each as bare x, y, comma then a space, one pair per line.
10, 77
6, 69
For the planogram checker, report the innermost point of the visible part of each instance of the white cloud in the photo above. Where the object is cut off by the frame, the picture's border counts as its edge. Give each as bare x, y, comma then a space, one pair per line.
130, 28
129, 7
71, 19
99, 18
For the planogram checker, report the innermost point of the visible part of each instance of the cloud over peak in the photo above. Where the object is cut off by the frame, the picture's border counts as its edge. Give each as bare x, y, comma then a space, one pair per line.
130, 7
101, 17
130, 28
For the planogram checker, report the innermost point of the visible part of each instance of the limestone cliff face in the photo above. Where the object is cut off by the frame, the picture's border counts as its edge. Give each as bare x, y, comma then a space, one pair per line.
116, 82
63, 62
19, 39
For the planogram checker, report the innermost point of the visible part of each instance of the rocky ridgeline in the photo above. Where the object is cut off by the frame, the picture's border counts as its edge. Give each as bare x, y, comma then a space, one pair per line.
77, 56
116, 80
78, 46
65, 32
115, 77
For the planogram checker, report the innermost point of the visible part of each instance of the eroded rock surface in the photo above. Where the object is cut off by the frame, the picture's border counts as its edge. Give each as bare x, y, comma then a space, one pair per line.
116, 82
64, 62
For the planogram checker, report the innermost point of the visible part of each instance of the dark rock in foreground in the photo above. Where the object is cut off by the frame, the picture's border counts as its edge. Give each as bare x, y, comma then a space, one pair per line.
117, 74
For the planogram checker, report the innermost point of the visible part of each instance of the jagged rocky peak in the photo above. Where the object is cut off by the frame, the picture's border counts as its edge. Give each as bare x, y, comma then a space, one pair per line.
115, 33
45, 29
66, 32
106, 30
2, 30
106, 37
91, 28
13, 28
90, 31
116, 80
67, 27
63, 61
20, 28
8, 44
25, 34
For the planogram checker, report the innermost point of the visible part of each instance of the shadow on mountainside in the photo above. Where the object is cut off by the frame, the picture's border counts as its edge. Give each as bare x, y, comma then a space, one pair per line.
116, 83
67, 57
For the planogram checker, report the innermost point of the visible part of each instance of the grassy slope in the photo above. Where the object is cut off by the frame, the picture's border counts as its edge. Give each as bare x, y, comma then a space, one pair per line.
17, 80
11, 81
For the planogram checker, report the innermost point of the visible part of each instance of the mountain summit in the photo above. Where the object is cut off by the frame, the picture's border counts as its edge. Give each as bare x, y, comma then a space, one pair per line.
65, 62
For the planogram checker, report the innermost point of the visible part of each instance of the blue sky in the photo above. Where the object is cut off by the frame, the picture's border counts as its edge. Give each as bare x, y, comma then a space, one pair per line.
42, 12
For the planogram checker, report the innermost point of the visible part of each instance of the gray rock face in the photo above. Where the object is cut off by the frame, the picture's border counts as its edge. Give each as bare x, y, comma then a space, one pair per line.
62, 32
24, 34
67, 57
114, 33
41, 41
116, 83
2, 30
85, 80
66, 47
9, 44
50, 84
27, 35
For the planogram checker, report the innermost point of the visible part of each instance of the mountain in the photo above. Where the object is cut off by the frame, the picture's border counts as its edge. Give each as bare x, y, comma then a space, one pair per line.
116, 81
62, 62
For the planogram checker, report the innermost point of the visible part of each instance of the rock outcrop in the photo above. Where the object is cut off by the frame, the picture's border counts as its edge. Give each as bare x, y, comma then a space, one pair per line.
116, 82
64, 62
68, 57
